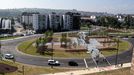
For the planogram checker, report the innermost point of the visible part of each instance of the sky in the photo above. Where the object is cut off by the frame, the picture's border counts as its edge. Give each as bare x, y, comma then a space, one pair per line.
110, 6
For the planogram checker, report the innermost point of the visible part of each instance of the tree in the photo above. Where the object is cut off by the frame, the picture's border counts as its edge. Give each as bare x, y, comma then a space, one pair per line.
129, 22
49, 35
41, 45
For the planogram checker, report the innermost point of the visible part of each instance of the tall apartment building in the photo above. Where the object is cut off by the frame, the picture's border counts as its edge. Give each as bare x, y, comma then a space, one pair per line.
5, 24
67, 22
74, 20
27, 17
1, 23
43, 24
40, 22
52, 21
35, 21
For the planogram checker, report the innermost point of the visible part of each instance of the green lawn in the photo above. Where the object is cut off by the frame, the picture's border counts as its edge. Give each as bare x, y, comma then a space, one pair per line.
5, 38
27, 47
123, 45
125, 71
33, 70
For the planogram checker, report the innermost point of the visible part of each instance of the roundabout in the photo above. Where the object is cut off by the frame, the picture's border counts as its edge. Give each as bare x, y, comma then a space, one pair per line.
79, 52
10, 47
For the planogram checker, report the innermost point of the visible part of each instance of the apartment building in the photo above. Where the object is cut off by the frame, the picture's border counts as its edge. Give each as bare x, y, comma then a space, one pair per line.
52, 21
5, 23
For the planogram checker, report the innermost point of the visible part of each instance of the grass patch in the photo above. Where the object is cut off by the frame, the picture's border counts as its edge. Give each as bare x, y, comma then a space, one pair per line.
125, 71
123, 45
32, 70
5, 38
84, 28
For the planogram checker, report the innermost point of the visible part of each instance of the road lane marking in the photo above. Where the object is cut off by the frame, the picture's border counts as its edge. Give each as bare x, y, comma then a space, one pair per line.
85, 63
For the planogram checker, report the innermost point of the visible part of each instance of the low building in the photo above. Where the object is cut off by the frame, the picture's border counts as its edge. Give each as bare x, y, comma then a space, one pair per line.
120, 18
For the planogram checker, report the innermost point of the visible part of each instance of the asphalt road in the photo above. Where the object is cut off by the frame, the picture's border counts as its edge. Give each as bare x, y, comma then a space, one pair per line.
10, 47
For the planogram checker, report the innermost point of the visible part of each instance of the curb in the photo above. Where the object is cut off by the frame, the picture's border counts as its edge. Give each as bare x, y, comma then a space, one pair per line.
131, 46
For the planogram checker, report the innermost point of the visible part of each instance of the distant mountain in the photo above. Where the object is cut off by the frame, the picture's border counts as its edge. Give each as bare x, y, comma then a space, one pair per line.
17, 12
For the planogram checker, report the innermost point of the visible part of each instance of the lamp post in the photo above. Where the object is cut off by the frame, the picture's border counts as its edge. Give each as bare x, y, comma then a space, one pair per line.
52, 51
0, 51
0, 47
116, 60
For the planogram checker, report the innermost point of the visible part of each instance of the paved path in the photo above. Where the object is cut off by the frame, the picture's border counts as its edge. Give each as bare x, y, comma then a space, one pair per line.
91, 70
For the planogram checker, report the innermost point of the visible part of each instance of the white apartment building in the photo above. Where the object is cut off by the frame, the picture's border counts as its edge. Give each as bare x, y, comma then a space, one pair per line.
43, 22
66, 22
35, 20
52, 21
40, 22
25, 19
5, 24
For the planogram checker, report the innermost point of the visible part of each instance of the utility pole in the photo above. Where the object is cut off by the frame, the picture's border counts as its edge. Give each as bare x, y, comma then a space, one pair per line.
23, 70
0, 47
116, 60
0, 51
52, 50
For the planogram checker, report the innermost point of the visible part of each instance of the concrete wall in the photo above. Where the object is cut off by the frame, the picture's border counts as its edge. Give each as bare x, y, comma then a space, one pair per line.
132, 68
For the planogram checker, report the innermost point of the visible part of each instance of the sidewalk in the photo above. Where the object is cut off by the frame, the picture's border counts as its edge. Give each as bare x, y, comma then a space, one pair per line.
91, 70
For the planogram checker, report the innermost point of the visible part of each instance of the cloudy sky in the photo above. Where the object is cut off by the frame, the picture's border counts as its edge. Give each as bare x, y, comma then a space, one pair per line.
110, 6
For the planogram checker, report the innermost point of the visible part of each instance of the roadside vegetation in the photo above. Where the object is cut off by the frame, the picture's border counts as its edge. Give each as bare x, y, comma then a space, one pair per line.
124, 71
6, 38
31, 70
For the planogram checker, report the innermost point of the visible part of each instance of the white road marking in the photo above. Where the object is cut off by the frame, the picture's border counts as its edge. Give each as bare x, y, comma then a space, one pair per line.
85, 63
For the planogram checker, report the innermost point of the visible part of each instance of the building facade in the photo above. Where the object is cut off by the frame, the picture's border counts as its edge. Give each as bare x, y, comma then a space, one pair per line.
52, 21
35, 21
5, 24
67, 22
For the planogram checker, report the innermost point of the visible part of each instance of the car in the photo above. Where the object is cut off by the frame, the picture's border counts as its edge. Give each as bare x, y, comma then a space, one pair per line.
8, 56
132, 36
72, 63
52, 62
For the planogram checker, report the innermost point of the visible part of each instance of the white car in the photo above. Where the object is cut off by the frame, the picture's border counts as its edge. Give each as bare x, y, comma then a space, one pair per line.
53, 62
8, 56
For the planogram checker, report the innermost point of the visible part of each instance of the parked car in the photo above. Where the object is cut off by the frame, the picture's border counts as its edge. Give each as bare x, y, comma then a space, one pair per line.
72, 63
53, 62
8, 56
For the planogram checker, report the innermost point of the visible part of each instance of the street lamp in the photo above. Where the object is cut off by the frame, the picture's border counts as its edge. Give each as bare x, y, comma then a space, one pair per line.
116, 60
0, 51
52, 51
0, 47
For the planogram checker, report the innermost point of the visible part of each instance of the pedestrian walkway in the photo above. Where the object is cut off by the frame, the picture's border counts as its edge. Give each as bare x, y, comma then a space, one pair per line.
92, 70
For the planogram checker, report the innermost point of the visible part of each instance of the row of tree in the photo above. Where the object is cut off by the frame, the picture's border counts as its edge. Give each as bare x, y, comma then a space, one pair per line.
41, 42
113, 22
